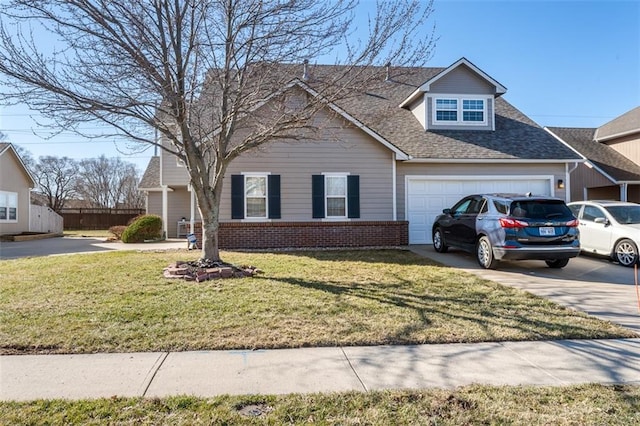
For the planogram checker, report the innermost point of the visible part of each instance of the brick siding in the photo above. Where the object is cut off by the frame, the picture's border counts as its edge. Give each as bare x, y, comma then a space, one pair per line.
275, 235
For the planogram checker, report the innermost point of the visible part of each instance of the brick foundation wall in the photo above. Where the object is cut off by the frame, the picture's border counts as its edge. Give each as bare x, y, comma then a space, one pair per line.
274, 235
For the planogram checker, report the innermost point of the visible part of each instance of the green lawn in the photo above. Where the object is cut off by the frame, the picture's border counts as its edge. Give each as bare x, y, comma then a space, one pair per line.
472, 405
120, 302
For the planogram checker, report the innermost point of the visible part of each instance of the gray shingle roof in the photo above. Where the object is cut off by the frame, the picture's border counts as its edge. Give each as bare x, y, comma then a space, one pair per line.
151, 177
603, 156
628, 122
516, 137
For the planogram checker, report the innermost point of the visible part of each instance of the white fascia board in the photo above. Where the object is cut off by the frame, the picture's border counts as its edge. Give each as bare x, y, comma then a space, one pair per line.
585, 160
399, 154
412, 97
158, 189
616, 135
491, 161
500, 89
559, 139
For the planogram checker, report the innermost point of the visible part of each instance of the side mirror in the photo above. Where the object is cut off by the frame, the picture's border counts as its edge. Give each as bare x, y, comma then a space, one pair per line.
602, 220
446, 211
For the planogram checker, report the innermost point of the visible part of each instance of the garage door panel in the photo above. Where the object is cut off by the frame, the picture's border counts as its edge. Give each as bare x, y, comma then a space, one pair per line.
427, 197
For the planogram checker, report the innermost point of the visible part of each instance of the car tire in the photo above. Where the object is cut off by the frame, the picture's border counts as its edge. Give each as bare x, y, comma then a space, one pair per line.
625, 253
557, 263
439, 244
484, 253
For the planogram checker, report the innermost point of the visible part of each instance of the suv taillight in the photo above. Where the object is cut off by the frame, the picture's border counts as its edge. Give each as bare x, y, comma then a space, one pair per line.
507, 222
573, 223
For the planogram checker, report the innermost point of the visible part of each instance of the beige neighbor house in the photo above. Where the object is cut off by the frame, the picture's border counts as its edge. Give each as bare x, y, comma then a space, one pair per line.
612, 153
15, 188
398, 154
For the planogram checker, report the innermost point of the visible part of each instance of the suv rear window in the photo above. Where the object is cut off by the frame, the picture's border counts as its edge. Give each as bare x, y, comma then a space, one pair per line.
540, 209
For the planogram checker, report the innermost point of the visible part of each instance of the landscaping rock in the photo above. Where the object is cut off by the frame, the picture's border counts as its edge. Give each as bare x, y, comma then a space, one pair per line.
203, 270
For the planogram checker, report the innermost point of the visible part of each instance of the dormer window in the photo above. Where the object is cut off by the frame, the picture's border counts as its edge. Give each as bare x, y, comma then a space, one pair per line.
461, 110
473, 110
446, 110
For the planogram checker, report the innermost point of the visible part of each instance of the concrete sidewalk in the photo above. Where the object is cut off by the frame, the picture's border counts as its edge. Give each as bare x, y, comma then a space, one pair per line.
210, 373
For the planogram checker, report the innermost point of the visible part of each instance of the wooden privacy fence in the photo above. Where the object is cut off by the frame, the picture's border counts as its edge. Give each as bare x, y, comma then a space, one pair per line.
97, 218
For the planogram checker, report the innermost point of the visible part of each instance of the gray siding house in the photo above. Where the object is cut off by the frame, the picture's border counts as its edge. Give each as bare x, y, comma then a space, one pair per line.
611, 170
15, 190
386, 163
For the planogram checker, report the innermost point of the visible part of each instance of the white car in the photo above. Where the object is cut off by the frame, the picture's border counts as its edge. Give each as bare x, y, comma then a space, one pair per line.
609, 228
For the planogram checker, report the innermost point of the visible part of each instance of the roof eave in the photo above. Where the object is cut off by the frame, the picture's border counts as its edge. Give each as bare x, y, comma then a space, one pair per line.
615, 135
495, 160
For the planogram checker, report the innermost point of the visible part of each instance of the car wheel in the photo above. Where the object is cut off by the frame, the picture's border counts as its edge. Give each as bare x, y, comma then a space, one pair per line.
484, 253
557, 263
626, 253
438, 241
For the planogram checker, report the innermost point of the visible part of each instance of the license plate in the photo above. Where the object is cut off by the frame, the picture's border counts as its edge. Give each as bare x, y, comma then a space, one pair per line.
547, 230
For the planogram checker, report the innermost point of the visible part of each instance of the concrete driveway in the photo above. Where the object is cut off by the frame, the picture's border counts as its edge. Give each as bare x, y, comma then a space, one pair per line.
70, 245
589, 284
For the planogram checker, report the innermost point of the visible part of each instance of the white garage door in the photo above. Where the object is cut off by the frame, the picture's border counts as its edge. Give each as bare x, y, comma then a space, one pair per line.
427, 196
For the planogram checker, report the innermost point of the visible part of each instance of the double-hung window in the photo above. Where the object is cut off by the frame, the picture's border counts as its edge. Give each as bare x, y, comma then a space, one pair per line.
255, 188
336, 196
8, 206
446, 110
473, 110
255, 196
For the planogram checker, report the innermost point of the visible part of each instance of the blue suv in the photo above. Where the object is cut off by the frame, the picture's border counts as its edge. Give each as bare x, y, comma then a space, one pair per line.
509, 227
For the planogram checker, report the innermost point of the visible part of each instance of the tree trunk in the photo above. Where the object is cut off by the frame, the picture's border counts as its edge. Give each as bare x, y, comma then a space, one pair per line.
210, 226
208, 201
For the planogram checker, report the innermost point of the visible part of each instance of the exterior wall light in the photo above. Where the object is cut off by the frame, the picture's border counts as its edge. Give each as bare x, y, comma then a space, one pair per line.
560, 184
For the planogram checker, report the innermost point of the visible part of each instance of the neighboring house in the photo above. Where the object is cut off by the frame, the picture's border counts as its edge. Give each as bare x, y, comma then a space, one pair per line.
15, 186
394, 157
612, 152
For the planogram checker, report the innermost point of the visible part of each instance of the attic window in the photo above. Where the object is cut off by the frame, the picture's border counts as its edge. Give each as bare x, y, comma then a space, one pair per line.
473, 110
460, 111
446, 110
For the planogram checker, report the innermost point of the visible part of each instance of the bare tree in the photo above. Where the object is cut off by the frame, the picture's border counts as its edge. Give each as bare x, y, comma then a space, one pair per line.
108, 182
25, 156
193, 70
56, 179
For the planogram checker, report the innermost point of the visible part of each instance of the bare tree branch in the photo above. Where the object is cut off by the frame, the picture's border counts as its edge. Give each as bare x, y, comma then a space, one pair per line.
194, 70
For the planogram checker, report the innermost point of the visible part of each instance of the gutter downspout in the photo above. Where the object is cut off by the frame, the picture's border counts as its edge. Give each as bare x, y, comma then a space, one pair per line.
165, 210
567, 179
393, 187
624, 191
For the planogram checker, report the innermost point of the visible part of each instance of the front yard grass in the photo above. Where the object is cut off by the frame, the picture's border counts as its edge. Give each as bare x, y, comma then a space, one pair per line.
471, 405
120, 302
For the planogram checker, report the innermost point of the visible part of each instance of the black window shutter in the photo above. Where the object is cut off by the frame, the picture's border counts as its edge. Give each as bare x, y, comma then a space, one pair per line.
237, 197
274, 196
353, 196
317, 196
